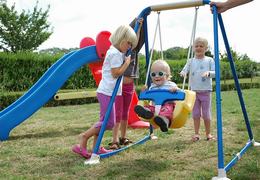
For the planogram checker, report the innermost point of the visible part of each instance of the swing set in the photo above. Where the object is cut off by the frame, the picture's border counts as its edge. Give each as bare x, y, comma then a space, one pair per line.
184, 98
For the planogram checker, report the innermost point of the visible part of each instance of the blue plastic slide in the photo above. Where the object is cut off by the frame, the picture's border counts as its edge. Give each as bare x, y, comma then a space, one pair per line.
44, 89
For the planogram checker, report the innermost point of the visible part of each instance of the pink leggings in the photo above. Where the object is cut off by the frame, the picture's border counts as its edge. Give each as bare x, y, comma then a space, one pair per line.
122, 103
165, 111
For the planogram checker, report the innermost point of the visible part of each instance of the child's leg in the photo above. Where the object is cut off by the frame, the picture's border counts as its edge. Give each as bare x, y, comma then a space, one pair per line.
119, 112
196, 122
167, 111
146, 112
206, 112
207, 126
96, 133
162, 122
123, 128
128, 90
196, 114
115, 132
104, 101
84, 137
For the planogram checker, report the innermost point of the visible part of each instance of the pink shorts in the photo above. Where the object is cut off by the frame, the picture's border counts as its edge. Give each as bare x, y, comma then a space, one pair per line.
202, 106
166, 110
122, 103
103, 102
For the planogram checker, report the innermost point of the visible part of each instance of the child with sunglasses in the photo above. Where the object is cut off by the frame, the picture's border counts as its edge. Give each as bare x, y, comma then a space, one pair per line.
160, 75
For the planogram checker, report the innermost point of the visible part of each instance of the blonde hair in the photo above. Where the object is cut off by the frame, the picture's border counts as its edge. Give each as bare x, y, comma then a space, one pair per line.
201, 40
123, 33
165, 67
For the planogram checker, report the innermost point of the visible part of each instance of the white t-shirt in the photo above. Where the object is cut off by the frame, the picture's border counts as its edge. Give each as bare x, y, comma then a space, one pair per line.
166, 85
114, 59
196, 67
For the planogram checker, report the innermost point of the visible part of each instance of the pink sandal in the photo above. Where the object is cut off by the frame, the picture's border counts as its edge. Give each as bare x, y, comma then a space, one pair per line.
102, 150
195, 138
82, 152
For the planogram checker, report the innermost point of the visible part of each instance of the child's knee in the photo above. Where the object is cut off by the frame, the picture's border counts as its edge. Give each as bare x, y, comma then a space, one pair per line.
82, 135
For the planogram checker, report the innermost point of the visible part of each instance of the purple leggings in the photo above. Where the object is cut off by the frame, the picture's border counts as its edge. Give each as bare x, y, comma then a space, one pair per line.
122, 103
103, 102
202, 106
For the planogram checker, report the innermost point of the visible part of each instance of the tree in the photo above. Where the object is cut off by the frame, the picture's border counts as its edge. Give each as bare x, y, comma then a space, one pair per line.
235, 55
176, 53
25, 31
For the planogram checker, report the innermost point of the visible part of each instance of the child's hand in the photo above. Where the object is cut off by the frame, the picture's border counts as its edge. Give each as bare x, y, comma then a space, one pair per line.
140, 20
128, 60
174, 89
205, 74
182, 74
144, 88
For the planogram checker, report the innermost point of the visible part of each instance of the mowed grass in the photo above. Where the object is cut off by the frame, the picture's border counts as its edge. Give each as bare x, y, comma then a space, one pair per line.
40, 148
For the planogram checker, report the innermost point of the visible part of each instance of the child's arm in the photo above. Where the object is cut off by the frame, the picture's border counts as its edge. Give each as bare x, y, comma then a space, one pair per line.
116, 72
186, 69
140, 21
211, 72
174, 89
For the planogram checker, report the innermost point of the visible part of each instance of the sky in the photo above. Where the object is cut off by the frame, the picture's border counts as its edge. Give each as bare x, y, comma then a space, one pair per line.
72, 20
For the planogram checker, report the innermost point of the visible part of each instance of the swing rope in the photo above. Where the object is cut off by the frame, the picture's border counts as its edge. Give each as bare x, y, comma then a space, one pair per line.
190, 51
184, 106
160, 34
152, 50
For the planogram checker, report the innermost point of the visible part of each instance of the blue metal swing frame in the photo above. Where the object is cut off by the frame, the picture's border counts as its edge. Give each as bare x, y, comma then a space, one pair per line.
217, 18
222, 169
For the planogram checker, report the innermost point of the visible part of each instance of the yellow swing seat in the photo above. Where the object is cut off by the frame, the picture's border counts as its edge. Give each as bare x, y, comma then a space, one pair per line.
181, 111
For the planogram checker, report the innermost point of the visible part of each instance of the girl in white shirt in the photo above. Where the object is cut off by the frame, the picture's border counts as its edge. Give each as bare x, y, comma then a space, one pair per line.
114, 65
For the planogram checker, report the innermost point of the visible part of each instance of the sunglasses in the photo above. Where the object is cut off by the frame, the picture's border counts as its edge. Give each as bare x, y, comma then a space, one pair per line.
158, 74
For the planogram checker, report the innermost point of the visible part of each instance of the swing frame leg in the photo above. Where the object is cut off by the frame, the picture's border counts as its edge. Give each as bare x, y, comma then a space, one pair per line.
94, 159
222, 175
256, 144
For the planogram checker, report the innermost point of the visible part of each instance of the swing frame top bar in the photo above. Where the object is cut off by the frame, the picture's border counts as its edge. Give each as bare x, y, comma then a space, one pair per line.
179, 5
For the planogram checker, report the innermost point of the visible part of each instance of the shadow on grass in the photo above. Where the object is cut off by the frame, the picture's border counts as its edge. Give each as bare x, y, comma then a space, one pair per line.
49, 134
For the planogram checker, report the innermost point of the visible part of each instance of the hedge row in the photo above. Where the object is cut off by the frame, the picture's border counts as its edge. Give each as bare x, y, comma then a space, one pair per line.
8, 98
18, 72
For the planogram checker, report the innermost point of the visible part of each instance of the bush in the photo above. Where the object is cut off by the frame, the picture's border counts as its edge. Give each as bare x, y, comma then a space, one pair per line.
9, 98
18, 72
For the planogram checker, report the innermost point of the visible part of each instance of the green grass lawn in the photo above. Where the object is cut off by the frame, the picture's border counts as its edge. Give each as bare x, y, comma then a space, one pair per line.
40, 148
